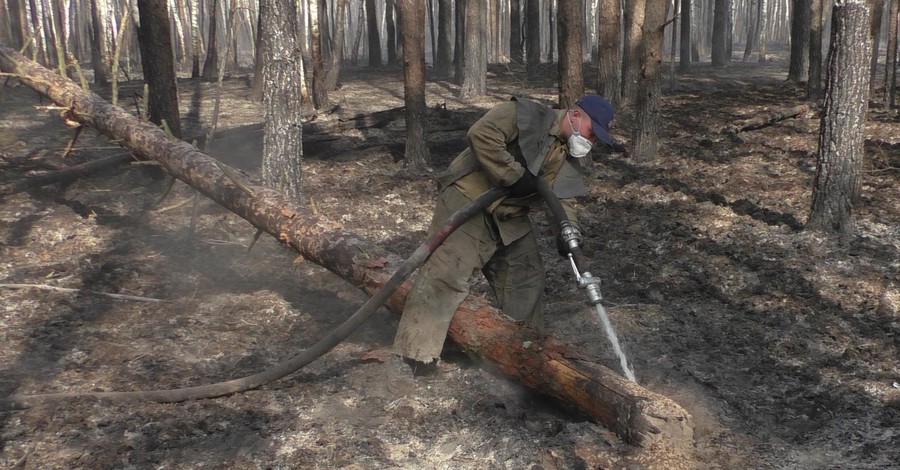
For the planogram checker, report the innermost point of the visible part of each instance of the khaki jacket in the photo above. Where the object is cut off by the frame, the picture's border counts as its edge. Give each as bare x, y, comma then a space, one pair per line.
507, 139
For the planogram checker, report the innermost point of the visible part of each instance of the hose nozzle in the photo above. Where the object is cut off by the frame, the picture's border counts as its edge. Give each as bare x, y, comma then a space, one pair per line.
587, 282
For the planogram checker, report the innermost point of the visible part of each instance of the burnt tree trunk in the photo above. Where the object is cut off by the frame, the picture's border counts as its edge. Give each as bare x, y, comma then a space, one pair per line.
516, 49
99, 60
645, 133
532, 37
412, 30
474, 70
814, 82
158, 64
374, 34
443, 62
799, 65
836, 186
570, 30
211, 65
609, 54
282, 84
540, 363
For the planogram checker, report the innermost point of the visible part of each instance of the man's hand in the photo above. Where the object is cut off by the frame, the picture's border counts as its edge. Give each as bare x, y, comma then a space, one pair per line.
562, 240
524, 186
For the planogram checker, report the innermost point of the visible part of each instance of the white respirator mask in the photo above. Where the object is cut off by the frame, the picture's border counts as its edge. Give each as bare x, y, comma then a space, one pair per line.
579, 145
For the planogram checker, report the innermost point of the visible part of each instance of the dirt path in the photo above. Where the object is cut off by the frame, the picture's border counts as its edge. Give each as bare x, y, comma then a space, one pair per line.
783, 345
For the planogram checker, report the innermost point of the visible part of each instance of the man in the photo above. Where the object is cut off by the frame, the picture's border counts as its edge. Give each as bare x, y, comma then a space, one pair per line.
509, 146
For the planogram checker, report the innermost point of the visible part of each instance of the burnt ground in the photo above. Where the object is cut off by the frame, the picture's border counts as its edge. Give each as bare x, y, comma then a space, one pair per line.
784, 345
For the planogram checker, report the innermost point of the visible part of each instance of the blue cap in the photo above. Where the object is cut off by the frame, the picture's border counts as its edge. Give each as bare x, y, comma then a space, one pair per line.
600, 112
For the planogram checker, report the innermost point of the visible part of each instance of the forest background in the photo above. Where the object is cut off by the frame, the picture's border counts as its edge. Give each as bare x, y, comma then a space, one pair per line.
844, 345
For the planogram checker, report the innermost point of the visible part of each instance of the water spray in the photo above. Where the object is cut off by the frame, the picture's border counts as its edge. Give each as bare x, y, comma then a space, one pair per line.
571, 237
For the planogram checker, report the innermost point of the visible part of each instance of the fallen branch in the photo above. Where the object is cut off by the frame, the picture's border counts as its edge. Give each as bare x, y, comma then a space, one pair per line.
64, 175
70, 290
765, 119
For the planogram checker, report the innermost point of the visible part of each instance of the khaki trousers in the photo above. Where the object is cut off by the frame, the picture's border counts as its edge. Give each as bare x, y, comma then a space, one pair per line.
515, 273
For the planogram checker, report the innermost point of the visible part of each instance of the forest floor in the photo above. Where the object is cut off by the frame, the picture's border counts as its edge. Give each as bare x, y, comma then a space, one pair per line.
784, 345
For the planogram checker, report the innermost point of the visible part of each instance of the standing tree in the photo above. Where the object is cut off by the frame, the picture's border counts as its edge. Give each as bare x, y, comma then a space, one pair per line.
814, 84
684, 51
211, 66
721, 14
631, 60
391, 30
157, 61
570, 30
443, 62
841, 139
532, 37
412, 34
516, 45
609, 52
372, 24
645, 133
99, 60
877, 9
761, 30
17, 23
798, 71
474, 57
262, 51
336, 51
316, 53
890, 69
282, 76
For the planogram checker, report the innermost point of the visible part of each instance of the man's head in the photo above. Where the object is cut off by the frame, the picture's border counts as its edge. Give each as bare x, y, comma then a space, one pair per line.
590, 119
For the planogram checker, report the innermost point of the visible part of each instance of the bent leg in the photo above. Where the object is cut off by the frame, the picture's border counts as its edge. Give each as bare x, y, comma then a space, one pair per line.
516, 274
443, 281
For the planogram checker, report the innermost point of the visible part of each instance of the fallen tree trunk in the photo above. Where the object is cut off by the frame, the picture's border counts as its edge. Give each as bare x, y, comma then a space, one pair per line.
765, 119
542, 364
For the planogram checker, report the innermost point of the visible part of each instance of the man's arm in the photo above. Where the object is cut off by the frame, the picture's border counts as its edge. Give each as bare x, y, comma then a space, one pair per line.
488, 139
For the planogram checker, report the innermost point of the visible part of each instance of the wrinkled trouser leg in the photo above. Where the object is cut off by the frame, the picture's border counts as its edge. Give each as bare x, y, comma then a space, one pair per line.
516, 274
443, 281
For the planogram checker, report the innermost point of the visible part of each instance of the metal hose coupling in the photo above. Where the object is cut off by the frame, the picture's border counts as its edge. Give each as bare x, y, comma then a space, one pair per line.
587, 282
570, 235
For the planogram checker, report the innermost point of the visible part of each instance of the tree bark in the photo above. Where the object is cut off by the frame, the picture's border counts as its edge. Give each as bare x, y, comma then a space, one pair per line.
158, 64
571, 31
719, 43
877, 9
798, 71
814, 84
474, 76
459, 41
516, 45
532, 37
645, 133
609, 69
333, 70
443, 63
631, 59
211, 65
282, 76
391, 30
17, 23
890, 62
372, 24
542, 364
839, 160
412, 29
684, 54
99, 60
319, 91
